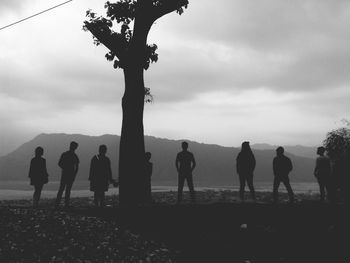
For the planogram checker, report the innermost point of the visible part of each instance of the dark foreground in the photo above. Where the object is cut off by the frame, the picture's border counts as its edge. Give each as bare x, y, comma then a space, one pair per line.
216, 229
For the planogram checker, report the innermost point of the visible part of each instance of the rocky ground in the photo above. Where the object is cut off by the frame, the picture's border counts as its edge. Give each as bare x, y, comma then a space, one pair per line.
79, 234
38, 235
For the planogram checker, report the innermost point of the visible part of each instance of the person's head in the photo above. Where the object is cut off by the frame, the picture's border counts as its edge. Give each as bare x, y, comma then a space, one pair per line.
321, 150
245, 146
73, 146
184, 145
39, 151
102, 149
148, 156
279, 151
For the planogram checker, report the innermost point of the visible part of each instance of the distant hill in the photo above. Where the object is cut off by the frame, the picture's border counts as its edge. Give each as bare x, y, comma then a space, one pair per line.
298, 150
215, 164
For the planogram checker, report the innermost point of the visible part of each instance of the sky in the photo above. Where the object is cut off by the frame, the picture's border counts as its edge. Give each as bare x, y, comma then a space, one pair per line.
267, 71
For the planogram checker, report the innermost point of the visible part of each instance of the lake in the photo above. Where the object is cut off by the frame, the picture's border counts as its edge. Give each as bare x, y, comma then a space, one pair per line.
10, 190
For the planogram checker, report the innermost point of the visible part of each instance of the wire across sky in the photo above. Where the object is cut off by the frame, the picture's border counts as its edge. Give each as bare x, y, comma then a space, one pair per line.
44, 11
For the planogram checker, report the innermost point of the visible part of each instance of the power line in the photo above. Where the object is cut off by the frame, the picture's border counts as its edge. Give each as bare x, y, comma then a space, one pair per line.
19, 21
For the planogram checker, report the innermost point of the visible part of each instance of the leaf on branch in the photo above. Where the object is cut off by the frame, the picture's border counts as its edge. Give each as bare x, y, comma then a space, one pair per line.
122, 11
148, 95
181, 10
150, 55
117, 64
110, 56
163, 7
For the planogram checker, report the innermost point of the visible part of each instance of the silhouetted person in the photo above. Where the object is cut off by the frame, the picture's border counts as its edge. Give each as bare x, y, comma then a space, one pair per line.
148, 175
100, 176
322, 173
342, 175
336, 176
38, 174
69, 163
185, 165
346, 178
282, 166
245, 165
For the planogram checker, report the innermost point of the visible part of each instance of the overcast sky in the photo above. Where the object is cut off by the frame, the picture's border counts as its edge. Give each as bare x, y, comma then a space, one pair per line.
273, 71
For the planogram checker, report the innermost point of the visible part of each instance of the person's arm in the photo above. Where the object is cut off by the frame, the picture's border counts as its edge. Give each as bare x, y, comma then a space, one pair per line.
151, 170
316, 168
177, 162
290, 165
193, 163
45, 169
274, 167
109, 171
91, 172
30, 174
76, 168
253, 162
60, 162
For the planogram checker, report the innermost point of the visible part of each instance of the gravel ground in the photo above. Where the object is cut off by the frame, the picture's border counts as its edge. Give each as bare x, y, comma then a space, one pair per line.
47, 235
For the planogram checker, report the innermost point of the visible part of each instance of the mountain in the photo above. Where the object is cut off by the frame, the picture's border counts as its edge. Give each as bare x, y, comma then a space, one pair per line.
215, 164
298, 150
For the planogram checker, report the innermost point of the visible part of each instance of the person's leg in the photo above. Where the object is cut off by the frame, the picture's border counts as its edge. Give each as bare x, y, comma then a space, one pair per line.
251, 186
180, 187
67, 193
322, 189
60, 192
96, 198
102, 199
37, 193
276, 184
289, 189
149, 191
241, 186
34, 195
189, 179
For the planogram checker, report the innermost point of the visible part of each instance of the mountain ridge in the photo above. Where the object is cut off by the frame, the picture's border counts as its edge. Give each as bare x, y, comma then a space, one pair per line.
215, 163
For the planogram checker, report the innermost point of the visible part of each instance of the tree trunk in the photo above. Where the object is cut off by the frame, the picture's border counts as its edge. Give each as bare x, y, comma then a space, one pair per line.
132, 147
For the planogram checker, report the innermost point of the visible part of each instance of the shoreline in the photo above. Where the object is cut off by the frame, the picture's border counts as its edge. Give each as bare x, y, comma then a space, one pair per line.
22, 189
84, 198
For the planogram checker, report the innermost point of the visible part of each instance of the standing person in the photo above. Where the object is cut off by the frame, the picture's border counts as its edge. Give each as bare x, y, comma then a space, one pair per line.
342, 175
38, 174
322, 173
346, 179
245, 165
69, 163
282, 166
148, 175
100, 176
185, 165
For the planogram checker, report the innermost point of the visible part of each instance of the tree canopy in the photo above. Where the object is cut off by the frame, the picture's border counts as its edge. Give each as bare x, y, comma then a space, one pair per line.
337, 142
118, 30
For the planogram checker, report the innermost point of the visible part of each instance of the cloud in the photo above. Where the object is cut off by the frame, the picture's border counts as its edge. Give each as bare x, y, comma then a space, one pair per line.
283, 45
225, 67
11, 5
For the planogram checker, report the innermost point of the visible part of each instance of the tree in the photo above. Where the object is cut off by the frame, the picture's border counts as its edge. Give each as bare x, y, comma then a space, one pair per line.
128, 49
337, 142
